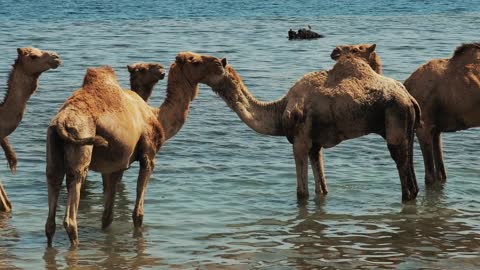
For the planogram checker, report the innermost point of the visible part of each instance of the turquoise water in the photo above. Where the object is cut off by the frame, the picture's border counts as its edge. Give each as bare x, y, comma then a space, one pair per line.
223, 196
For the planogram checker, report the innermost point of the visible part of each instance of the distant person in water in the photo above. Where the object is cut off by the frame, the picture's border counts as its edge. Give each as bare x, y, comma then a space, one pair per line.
303, 33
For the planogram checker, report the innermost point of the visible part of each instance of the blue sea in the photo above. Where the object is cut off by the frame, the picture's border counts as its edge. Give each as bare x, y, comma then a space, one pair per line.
223, 196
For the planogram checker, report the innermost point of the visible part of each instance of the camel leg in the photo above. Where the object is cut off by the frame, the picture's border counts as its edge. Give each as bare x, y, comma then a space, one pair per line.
55, 173
5, 204
9, 154
110, 182
77, 159
425, 140
316, 160
300, 153
146, 168
440, 172
400, 154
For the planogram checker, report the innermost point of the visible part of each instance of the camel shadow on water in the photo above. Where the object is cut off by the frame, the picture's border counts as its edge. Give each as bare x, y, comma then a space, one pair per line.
423, 233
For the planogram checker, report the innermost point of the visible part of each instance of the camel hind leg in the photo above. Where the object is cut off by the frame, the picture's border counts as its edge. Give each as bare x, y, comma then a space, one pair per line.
399, 136
77, 161
55, 172
316, 160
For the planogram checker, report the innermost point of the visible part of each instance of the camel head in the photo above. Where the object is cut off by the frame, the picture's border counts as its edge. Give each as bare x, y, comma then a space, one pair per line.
146, 73
201, 68
363, 51
34, 61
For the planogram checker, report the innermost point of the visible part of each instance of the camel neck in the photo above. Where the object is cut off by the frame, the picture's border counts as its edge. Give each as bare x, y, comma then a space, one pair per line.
263, 117
144, 90
20, 87
173, 112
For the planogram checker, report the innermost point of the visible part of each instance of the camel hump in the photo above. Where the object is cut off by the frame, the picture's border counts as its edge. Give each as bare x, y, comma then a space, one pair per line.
99, 75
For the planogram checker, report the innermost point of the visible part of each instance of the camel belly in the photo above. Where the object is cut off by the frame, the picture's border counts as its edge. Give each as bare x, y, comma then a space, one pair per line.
107, 160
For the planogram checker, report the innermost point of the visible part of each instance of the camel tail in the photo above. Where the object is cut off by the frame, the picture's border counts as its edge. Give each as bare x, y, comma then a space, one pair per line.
9, 154
418, 114
67, 136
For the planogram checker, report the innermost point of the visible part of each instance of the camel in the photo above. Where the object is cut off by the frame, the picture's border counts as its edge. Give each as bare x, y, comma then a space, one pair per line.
323, 109
144, 76
22, 83
104, 129
448, 92
365, 51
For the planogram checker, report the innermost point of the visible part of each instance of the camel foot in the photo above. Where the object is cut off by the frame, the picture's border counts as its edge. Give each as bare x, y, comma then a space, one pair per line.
72, 232
137, 221
302, 195
320, 192
107, 221
50, 232
409, 195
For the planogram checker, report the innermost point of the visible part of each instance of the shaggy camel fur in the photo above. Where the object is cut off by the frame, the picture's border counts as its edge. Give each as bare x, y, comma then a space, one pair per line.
105, 129
22, 83
448, 91
144, 76
323, 109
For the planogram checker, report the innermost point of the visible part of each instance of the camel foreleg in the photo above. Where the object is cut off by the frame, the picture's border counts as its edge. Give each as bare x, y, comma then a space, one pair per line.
440, 171
425, 139
316, 160
9, 154
110, 182
300, 153
5, 204
146, 168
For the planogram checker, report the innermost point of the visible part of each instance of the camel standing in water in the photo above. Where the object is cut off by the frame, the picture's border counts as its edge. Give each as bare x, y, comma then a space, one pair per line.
103, 128
22, 83
144, 76
323, 109
448, 91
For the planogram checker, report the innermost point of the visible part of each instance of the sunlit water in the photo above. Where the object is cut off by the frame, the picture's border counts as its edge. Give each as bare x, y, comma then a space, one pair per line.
223, 196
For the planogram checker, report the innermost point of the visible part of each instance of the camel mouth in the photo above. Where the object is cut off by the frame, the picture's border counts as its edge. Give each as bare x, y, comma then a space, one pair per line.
335, 54
162, 74
55, 63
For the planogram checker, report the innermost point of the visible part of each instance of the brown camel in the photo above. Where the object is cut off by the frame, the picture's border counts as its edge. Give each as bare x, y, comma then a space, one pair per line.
448, 92
323, 109
365, 51
104, 129
22, 83
144, 76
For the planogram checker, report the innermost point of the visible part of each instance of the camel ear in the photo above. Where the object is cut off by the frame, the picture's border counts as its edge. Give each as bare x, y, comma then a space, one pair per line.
180, 58
224, 62
131, 68
372, 47
21, 51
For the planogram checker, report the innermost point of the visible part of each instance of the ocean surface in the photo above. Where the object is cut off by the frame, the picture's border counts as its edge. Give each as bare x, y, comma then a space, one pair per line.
222, 196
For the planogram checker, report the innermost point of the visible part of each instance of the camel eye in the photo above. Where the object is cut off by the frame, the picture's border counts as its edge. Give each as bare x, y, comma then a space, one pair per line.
355, 50
33, 57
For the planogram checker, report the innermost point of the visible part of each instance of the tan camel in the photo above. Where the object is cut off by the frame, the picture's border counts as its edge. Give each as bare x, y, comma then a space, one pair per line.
448, 91
144, 76
104, 129
22, 83
323, 109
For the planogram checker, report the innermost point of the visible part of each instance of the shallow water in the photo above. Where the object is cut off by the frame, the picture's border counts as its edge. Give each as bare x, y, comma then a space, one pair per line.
223, 196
